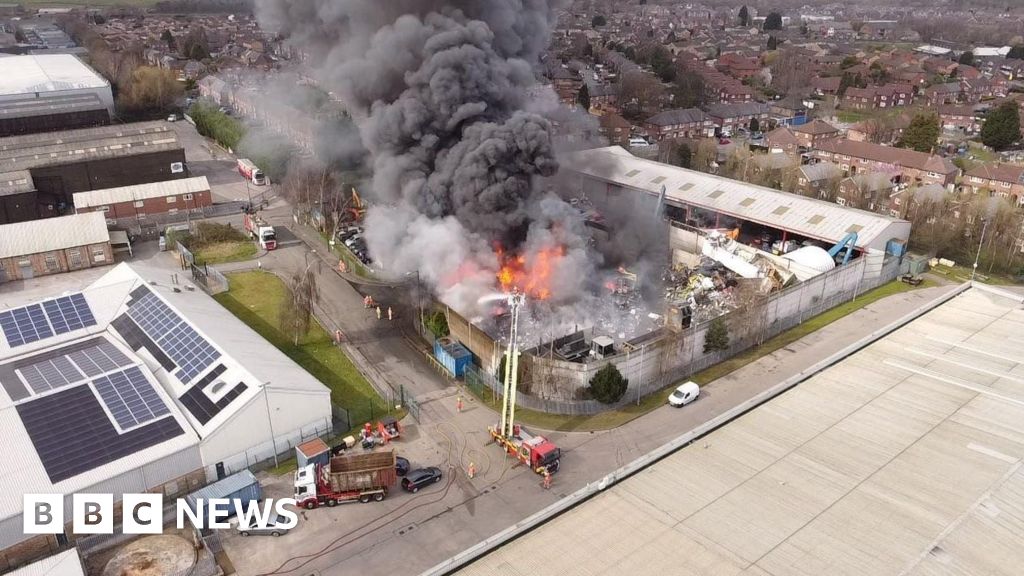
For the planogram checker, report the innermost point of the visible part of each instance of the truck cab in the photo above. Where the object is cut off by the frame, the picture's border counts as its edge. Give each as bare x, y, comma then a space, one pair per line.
268, 240
305, 487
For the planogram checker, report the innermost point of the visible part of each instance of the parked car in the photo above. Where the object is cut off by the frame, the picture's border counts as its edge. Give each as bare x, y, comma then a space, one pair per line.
172, 118
421, 477
272, 528
684, 394
401, 466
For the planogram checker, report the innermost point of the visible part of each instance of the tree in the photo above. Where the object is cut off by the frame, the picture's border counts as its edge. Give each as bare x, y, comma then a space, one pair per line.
755, 125
773, 43
1017, 52
639, 93
922, 134
1002, 126
168, 39
583, 97
151, 89
437, 323
608, 386
688, 91
744, 17
773, 21
717, 336
681, 155
850, 81
196, 46
705, 156
598, 21
849, 62
301, 294
967, 58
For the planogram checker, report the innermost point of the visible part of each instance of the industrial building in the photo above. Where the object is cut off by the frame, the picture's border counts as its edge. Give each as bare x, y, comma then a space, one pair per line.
129, 384
54, 245
39, 173
42, 93
904, 457
144, 200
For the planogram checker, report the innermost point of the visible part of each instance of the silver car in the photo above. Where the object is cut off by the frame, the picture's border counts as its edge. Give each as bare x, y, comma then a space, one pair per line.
273, 528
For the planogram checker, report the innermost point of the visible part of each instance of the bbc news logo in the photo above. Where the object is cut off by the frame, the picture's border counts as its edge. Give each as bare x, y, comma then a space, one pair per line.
144, 513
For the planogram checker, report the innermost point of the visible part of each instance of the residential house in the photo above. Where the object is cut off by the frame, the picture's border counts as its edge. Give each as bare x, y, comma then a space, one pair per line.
739, 66
887, 96
905, 199
679, 123
815, 179
566, 84
728, 117
826, 86
962, 118
1004, 180
789, 110
905, 166
943, 94
615, 128
215, 89
811, 133
867, 191
782, 139
602, 95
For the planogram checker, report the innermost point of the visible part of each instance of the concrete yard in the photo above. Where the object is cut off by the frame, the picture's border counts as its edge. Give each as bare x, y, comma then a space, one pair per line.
902, 459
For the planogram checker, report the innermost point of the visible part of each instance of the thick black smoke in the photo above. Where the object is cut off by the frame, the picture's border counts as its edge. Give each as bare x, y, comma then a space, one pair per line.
440, 91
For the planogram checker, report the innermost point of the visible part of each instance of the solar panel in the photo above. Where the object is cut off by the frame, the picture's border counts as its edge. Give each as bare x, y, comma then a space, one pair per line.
24, 325
51, 374
69, 313
130, 398
189, 351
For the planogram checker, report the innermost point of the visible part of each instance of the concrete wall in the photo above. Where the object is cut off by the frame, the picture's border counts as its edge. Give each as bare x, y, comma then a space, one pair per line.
57, 261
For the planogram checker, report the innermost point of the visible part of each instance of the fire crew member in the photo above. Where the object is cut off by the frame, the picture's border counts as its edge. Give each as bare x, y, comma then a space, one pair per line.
547, 479
472, 470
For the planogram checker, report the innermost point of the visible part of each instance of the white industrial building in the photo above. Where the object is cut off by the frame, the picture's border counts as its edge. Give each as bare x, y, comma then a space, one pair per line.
129, 384
604, 173
52, 75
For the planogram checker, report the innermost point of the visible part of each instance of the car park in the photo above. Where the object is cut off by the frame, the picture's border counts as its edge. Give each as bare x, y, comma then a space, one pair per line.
684, 394
421, 477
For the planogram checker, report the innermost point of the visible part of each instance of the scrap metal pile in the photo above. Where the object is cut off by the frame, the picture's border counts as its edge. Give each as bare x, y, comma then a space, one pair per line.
707, 290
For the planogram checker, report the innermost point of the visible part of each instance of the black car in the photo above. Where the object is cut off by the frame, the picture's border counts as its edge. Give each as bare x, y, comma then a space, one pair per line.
420, 478
401, 466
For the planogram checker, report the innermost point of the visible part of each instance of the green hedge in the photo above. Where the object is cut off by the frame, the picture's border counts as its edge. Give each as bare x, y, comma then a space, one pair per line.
213, 123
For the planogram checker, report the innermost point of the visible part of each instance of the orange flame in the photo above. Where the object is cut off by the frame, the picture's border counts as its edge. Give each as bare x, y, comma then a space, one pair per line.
529, 274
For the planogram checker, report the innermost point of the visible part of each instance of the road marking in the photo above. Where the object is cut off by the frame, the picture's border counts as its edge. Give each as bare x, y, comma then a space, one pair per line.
940, 378
974, 349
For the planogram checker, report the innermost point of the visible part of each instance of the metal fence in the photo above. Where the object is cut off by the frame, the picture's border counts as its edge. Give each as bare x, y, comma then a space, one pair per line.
779, 312
150, 225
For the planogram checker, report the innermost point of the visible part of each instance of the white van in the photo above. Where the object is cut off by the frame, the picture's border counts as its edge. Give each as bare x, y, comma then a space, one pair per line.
684, 394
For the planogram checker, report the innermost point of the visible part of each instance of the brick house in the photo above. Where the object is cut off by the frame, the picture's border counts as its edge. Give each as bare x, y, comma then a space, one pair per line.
810, 134
143, 201
53, 245
906, 166
729, 117
615, 128
826, 86
867, 191
943, 94
887, 96
813, 179
1003, 180
960, 117
679, 123
782, 139
738, 66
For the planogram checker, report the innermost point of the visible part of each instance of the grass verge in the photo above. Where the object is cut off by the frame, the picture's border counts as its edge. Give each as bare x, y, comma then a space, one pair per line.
963, 274
226, 252
255, 298
616, 418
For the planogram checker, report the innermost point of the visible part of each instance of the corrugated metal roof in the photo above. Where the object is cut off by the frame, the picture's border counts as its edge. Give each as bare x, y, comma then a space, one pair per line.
47, 73
64, 564
63, 104
805, 216
229, 485
37, 236
137, 192
54, 148
16, 182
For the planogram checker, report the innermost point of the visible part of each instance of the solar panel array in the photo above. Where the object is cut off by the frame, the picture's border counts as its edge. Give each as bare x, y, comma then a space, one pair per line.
131, 398
178, 339
59, 371
37, 321
25, 325
69, 313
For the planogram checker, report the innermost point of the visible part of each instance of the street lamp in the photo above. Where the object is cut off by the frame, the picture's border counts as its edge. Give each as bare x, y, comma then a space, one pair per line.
270, 420
981, 242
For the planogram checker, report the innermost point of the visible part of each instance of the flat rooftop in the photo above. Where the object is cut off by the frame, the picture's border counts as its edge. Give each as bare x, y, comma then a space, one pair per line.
47, 73
904, 458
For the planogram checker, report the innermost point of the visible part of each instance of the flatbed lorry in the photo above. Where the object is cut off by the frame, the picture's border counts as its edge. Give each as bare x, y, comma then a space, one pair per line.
349, 477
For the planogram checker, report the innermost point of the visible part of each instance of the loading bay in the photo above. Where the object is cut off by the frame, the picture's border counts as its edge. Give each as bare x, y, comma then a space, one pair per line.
902, 459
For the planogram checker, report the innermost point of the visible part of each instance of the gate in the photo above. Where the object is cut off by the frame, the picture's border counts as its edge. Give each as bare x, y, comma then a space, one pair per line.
409, 403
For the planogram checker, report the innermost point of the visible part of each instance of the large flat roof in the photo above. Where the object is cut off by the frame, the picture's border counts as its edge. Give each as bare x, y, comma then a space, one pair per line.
903, 458
47, 73
806, 216
138, 192
56, 148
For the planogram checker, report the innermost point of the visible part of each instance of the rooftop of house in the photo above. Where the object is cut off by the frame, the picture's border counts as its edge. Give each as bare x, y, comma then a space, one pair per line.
889, 155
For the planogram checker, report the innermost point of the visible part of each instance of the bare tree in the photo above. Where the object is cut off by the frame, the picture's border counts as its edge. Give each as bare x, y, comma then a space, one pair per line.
639, 94
301, 294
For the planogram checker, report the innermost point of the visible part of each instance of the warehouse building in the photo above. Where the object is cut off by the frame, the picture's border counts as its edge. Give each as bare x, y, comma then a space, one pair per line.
131, 385
764, 217
42, 93
62, 163
144, 200
54, 245
18, 197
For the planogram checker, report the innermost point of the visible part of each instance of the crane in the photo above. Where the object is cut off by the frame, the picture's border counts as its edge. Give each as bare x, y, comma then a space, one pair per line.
536, 451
